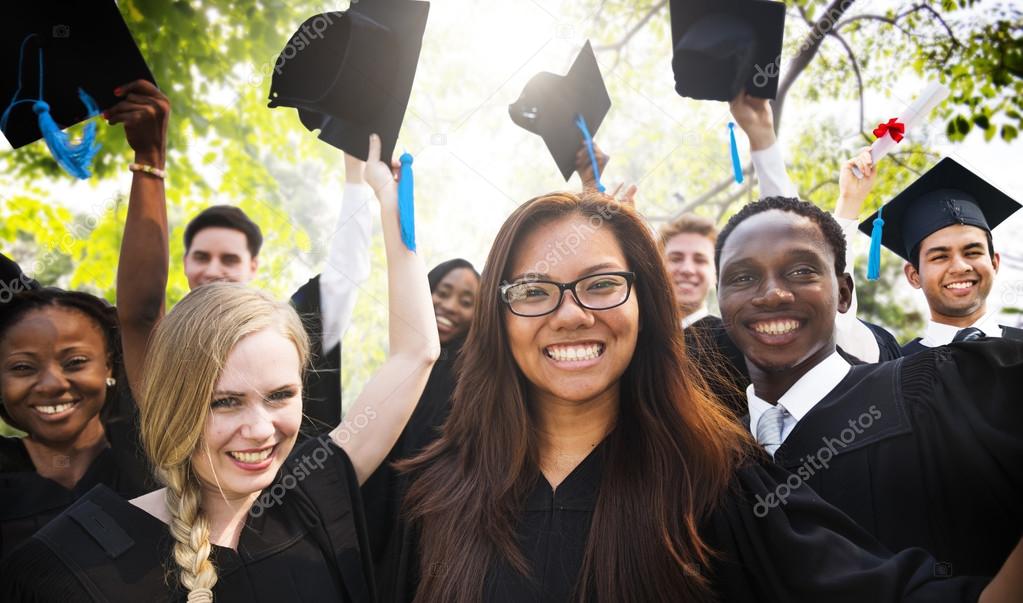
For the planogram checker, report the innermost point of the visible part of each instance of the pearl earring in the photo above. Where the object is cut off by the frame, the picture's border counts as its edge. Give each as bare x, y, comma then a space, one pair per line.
111, 382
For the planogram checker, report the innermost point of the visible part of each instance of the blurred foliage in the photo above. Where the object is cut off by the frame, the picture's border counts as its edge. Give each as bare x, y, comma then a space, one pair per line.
214, 59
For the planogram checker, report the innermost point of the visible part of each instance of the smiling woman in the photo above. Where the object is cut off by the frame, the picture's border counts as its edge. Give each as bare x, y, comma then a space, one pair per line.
583, 459
59, 355
247, 512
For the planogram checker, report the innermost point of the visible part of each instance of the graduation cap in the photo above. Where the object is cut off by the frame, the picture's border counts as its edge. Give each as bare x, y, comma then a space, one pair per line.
350, 73
550, 105
12, 279
723, 46
68, 54
946, 195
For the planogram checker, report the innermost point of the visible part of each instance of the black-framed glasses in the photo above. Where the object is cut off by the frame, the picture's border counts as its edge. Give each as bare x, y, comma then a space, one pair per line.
601, 291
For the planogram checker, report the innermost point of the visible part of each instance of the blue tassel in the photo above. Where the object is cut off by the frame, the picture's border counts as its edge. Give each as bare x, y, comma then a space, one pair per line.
580, 121
74, 158
406, 203
874, 258
736, 165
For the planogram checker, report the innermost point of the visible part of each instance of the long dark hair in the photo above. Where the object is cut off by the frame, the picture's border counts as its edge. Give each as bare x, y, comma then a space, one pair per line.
668, 459
441, 270
99, 311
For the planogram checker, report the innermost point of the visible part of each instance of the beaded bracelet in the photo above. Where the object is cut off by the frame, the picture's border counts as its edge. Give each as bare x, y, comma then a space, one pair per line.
148, 169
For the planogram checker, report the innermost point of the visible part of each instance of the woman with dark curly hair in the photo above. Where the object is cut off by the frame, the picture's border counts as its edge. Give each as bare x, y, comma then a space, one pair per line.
61, 383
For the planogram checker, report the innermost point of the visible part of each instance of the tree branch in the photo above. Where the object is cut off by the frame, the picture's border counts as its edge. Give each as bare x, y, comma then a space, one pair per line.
807, 51
624, 40
856, 69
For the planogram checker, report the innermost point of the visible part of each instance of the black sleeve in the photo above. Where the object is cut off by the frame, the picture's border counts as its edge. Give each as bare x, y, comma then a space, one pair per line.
321, 394
34, 574
887, 345
782, 543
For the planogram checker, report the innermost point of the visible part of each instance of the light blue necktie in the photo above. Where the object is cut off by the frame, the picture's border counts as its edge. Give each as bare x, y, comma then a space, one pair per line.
769, 428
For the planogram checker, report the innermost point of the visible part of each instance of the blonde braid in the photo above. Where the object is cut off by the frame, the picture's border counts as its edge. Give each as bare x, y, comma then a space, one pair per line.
191, 531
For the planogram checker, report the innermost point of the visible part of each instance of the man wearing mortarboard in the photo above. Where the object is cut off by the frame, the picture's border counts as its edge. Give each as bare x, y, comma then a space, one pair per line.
941, 225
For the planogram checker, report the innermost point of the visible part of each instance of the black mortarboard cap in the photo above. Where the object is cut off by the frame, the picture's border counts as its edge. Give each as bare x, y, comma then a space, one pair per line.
84, 45
12, 279
945, 195
549, 104
723, 46
350, 73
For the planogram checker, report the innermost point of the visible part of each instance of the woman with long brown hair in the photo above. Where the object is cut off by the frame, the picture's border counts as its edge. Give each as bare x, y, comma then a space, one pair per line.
584, 460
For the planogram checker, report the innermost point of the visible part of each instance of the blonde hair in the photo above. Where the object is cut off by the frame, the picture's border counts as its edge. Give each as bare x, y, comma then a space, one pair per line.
687, 224
186, 357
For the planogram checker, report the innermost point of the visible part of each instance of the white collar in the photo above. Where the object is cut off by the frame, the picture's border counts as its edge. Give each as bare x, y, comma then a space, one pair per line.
805, 393
938, 334
702, 312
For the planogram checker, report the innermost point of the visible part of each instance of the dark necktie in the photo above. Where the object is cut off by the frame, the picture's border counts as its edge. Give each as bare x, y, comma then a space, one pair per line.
968, 334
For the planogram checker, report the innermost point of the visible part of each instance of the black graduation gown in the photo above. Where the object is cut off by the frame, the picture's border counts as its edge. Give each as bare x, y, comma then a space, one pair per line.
390, 538
321, 393
724, 366
924, 451
804, 550
719, 360
914, 347
28, 500
306, 543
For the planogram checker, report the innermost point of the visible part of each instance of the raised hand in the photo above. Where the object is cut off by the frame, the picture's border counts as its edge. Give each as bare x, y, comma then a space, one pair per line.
756, 119
145, 112
381, 178
584, 166
853, 191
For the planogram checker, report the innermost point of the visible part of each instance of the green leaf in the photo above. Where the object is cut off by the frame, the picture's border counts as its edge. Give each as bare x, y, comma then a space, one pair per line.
962, 125
1009, 133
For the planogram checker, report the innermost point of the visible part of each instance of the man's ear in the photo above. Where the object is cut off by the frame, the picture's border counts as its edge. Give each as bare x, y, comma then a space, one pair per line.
912, 275
996, 260
255, 266
845, 292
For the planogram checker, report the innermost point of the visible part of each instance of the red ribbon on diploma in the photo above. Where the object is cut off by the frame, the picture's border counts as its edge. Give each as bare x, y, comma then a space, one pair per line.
893, 128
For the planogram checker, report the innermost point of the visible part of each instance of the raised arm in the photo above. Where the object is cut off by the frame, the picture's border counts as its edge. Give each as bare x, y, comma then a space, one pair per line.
755, 118
850, 333
143, 264
348, 255
376, 419
584, 166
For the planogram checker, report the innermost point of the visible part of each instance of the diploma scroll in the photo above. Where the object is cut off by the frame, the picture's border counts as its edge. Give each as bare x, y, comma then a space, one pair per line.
912, 117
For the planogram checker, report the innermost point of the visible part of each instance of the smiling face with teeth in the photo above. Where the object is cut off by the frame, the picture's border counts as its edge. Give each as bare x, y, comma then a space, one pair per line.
255, 417
779, 294
53, 375
956, 272
573, 354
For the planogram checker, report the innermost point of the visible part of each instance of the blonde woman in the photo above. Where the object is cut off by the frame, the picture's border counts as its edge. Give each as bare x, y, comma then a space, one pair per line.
245, 514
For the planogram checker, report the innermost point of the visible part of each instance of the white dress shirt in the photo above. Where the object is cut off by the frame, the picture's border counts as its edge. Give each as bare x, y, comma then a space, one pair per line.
804, 394
938, 334
348, 263
695, 316
851, 335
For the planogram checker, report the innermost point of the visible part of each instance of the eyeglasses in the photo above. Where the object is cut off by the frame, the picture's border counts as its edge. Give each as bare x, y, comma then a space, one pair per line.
601, 291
